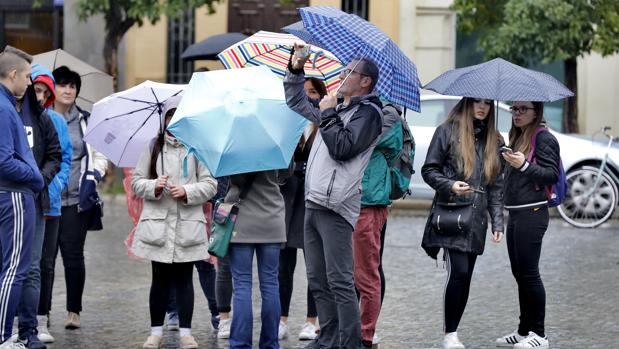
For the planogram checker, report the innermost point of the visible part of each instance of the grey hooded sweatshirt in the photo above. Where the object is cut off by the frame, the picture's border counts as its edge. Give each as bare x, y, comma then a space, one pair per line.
341, 150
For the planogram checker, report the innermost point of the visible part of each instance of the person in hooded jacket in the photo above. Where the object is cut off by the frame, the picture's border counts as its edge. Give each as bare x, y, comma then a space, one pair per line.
81, 206
47, 153
171, 232
45, 89
463, 165
527, 202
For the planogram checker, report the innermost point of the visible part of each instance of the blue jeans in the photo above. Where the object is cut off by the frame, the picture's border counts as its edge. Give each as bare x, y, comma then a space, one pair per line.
31, 289
241, 259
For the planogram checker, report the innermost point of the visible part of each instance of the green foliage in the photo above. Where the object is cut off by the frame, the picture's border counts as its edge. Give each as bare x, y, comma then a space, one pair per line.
527, 31
136, 11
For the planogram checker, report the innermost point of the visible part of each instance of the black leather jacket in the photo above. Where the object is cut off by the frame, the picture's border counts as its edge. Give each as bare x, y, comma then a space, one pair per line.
524, 187
440, 171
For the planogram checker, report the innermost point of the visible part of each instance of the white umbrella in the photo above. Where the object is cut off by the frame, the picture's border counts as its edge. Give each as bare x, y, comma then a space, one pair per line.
121, 125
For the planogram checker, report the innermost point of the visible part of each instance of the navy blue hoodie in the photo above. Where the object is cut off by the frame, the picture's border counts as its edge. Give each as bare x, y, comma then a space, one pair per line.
18, 169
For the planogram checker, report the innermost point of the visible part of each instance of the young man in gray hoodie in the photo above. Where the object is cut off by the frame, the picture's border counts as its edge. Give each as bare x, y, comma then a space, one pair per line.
349, 130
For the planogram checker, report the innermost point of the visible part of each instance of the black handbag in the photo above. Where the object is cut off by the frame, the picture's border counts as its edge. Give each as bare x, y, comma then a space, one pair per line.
451, 218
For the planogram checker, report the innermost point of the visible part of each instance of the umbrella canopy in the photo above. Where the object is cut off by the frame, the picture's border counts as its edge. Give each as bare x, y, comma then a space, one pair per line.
297, 29
95, 83
237, 121
349, 36
500, 80
121, 125
210, 47
273, 50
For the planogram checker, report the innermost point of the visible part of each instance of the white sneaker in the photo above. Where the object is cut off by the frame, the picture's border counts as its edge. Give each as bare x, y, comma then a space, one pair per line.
224, 329
308, 332
8, 344
509, 340
43, 331
282, 332
451, 341
532, 341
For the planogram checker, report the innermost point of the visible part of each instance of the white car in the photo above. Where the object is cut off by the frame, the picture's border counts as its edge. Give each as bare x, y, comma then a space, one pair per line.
576, 151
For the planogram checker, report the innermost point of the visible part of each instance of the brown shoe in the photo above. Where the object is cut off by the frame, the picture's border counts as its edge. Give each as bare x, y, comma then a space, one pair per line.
73, 321
188, 342
152, 342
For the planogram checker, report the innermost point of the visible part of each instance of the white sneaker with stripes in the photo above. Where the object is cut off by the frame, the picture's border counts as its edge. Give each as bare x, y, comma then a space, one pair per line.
509, 340
532, 341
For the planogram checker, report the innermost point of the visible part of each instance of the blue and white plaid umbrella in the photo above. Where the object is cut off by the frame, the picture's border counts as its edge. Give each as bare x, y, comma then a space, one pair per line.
499, 80
348, 37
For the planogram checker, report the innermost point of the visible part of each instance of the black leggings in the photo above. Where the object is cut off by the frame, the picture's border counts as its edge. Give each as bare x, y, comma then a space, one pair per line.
287, 264
460, 267
164, 275
525, 231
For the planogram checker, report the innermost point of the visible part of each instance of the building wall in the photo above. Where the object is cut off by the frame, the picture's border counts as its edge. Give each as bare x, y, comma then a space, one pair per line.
82, 39
598, 93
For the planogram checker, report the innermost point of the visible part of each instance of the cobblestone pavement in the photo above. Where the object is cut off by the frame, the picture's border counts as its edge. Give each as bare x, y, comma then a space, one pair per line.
580, 269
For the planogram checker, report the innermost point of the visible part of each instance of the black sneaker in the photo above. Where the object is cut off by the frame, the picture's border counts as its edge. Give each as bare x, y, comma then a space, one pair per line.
31, 341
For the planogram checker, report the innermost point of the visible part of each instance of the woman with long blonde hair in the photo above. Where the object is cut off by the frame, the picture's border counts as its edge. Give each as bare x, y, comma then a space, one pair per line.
527, 178
464, 167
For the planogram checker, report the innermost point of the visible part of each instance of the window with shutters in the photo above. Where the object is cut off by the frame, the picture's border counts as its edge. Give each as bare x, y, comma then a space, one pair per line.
357, 7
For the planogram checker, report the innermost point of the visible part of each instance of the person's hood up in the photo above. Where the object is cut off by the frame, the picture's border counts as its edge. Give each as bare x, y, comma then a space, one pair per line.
44, 75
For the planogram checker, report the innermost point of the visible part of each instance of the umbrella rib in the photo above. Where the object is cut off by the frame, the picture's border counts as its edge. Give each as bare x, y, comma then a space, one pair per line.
117, 116
134, 133
137, 100
277, 47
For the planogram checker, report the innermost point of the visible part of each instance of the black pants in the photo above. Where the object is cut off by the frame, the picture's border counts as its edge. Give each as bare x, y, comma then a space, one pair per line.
380, 265
525, 231
223, 285
460, 267
48, 264
287, 265
71, 240
164, 275
206, 274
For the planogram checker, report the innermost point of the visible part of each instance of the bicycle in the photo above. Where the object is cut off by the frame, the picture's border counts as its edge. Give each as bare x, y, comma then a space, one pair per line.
592, 194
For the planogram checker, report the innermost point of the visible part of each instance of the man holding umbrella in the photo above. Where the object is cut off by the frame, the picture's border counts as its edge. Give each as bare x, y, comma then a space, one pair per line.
349, 130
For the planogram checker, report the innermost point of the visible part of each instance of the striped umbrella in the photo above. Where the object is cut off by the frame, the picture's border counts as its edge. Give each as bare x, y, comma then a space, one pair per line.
273, 50
349, 36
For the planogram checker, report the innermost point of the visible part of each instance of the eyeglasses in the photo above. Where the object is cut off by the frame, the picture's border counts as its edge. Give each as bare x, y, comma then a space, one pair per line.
520, 110
345, 72
485, 101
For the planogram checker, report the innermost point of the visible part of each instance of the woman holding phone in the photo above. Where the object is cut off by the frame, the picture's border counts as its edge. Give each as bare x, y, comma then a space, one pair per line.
527, 203
464, 167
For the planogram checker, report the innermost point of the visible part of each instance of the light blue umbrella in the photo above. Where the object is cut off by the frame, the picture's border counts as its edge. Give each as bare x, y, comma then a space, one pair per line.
237, 121
349, 36
499, 80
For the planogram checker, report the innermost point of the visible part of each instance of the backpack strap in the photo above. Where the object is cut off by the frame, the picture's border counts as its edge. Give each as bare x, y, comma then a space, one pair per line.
534, 142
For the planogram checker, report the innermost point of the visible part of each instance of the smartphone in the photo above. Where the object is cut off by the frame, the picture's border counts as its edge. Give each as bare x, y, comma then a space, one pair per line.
304, 51
506, 149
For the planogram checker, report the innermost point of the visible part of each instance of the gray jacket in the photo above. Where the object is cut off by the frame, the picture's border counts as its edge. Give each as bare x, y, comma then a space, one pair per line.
261, 217
170, 230
341, 150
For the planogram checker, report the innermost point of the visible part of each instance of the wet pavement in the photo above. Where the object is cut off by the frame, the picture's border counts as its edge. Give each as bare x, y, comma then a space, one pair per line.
580, 269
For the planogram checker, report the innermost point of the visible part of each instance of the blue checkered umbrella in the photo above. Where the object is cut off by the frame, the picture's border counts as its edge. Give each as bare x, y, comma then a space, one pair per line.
348, 37
500, 80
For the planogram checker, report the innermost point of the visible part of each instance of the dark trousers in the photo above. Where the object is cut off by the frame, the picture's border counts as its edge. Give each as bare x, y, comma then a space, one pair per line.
71, 241
383, 287
287, 265
180, 276
48, 264
17, 224
206, 274
223, 285
460, 267
329, 264
525, 231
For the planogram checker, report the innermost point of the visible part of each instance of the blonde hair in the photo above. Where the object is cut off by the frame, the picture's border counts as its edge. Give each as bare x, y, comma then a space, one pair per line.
462, 116
520, 140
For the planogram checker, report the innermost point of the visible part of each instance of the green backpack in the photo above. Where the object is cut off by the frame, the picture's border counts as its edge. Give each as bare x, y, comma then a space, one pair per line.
401, 167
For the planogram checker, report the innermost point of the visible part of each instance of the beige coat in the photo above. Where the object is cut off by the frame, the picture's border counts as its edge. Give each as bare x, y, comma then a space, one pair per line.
170, 230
